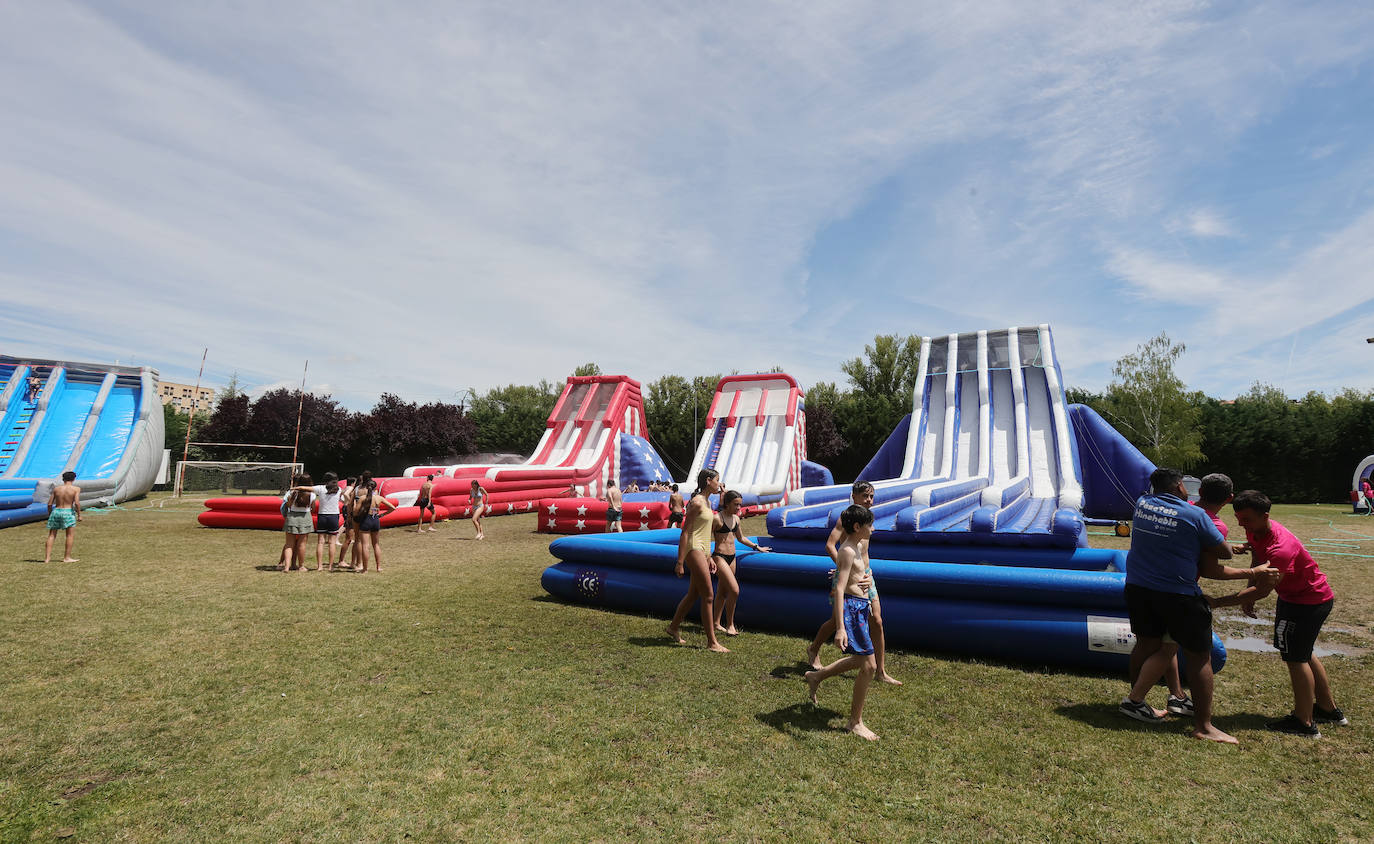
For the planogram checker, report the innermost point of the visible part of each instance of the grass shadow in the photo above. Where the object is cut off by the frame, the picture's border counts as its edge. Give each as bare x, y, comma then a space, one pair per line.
803, 717
792, 669
1104, 716
655, 642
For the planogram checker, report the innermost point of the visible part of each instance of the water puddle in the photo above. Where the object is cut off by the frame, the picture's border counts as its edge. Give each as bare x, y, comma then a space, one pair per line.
1254, 644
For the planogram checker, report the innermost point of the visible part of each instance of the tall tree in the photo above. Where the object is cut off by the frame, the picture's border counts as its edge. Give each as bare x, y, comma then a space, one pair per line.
675, 410
513, 418
586, 369
1148, 403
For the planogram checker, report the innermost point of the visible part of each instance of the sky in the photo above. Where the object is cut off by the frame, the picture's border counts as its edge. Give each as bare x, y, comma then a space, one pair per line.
429, 198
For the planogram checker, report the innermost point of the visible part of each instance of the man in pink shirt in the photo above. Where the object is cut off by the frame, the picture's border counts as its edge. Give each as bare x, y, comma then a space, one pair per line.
1304, 601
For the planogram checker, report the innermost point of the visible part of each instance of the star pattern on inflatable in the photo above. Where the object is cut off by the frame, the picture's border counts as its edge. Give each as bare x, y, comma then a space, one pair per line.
510, 508
553, 509
643, 525
553, 523
581, 524
644, 512
582, 509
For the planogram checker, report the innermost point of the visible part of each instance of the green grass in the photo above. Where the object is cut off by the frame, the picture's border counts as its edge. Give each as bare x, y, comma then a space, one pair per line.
168, 687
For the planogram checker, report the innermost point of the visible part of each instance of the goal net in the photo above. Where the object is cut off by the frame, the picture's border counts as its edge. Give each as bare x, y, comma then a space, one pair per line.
234, 476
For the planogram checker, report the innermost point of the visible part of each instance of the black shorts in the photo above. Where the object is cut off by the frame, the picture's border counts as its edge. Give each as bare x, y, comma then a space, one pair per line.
674, 519
612, 515
326, 523
1186, 618
425, 504
1296, 627
370, 524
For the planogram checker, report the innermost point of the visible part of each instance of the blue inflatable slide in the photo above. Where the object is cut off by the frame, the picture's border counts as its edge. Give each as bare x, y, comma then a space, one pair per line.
102, 422
982, 495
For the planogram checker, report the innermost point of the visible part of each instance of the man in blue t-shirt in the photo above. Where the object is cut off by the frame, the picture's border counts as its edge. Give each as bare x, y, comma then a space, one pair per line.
1172, 543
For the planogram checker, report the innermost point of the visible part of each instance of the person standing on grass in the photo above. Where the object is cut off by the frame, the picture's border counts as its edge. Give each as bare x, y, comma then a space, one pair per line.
328, 495
425, 502
1214, 492
676, 508
64, 511
693, 550
349, 528
1305, 600
725, 529
367, 513
861, 494
478, 498
1169, 537
614, 507
298, 524
1368, 492
851, 616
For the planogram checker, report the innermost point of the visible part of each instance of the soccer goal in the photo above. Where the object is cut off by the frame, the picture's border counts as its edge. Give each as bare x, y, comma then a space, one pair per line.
230, 476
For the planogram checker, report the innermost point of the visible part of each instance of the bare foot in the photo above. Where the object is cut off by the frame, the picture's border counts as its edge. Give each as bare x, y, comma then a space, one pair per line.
813, 657
676, 636
1213, 734
888, 678
432, 530
731, 631
863, 732
70, 560
718, 648
812, 684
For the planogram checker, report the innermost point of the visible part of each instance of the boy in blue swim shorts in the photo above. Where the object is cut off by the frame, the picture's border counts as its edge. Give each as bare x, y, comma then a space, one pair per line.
851, 612
64, 511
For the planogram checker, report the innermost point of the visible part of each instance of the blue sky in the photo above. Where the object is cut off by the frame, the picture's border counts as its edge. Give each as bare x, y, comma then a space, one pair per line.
426, 197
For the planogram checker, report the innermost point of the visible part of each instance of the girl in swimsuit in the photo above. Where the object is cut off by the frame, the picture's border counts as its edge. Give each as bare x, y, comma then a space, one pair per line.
725, 528
367, 504
693, 549
478, 499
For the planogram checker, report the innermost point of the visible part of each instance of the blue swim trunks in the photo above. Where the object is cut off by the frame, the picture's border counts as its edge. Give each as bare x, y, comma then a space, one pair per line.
61, 518
856, 626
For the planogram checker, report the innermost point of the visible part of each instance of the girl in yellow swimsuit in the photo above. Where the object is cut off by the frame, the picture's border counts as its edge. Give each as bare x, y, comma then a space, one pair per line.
693, 554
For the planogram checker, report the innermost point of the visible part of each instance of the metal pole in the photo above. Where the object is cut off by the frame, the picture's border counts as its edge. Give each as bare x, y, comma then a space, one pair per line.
190, 420
300, 405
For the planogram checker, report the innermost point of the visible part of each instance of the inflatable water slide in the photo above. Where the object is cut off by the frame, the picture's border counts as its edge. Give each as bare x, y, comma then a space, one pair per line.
102, 422
595, 430
982, 493
754, 437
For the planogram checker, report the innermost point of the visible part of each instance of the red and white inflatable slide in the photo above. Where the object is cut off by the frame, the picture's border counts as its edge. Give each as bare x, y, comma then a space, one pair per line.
580, 448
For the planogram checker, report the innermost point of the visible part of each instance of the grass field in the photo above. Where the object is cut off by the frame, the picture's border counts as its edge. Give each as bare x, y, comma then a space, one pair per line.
173, 686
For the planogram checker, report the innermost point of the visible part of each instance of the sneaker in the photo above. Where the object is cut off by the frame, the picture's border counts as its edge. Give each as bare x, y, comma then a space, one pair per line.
1139, 710
1179, 706
1292, 725
1329, 716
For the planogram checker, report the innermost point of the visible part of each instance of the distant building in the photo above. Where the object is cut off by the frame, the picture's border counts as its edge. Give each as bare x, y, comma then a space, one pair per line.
185, 397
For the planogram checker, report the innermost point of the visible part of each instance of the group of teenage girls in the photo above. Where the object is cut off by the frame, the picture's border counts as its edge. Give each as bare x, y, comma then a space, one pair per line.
347, 518
696, 557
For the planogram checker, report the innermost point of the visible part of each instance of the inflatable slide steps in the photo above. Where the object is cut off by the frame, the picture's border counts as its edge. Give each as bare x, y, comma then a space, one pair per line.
1045, 607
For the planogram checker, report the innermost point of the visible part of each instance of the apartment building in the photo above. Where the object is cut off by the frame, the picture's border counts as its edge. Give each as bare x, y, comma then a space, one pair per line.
185, 397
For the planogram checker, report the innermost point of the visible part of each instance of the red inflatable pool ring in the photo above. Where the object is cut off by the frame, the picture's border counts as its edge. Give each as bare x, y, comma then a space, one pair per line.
263, 512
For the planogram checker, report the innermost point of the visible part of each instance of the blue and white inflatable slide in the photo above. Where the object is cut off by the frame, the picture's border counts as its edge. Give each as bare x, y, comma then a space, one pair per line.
980, 547
102, 422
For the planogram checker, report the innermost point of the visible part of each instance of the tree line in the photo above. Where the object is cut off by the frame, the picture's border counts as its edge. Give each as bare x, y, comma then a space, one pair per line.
1295, 451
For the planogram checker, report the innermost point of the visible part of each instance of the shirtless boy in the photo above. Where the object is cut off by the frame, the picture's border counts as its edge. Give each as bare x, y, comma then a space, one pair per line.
64, 511
676, 508
861, 494
425, 502
613, 508
851, 617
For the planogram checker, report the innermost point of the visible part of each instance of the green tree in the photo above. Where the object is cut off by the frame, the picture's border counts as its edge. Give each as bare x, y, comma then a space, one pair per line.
513, 418
882, 383
1148, 403
586, 369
